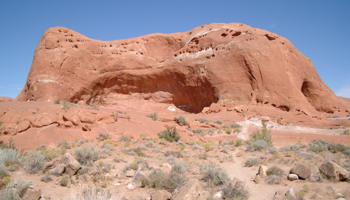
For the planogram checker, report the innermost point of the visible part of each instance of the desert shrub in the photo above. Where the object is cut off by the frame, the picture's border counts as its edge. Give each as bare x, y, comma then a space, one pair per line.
170, 134
318, 146
336, 147
143, 136
142, 147
42, 147
256, 145
199, 132
306, 188
274, 170
217, 122
235, 190
347, 152
181, 143
300, 195
201, 120
295, 147
224, 150
124, 138
50, 154
208, 146
15, 189
344, 165
307, 155
181, 120
93, 193
9, 145
46, 178
180, 167
176, 154
159, 180
196, 146
236, 127
252, 161
102, 136
273, 179
6, 180
134, 166
135, 151
34, 162
203, 156
272, 150
238, 143
80, 142
346, 132
289, 153
63, 144
57, 101
8, 156
263, 135
240, 154
86, 155
171, 159
213, 175
64, 181
153, 116
3, 173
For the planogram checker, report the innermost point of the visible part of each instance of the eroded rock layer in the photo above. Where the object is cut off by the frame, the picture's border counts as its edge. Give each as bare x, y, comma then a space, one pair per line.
190, 70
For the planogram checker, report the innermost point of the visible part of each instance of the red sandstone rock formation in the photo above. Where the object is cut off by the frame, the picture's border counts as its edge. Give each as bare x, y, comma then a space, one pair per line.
190, 70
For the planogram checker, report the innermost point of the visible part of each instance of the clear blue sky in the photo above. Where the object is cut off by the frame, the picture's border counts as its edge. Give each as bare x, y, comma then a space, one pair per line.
318, 28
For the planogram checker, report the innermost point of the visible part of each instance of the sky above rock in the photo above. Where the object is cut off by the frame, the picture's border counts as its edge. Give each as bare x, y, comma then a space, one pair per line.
319, 29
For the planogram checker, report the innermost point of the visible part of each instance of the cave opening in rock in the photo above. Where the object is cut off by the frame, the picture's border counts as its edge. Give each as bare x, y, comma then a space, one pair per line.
188, 93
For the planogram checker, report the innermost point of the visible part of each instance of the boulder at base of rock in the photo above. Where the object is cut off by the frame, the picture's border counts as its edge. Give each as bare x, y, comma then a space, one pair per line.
333, 171
130, 173
72, 165
31, 194
160, 195
301, 170
262, 171
190, 191
292, 177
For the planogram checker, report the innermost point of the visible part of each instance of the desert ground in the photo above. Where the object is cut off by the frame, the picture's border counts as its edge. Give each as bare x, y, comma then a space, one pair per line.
212, 151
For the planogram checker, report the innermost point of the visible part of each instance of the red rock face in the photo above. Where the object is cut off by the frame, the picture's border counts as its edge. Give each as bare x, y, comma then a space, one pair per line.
190, 70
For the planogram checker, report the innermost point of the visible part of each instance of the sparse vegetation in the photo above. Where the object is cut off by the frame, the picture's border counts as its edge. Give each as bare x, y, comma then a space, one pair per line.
218, 122
102, 136
90, 193
63, 144
260, 140
46, 178
153, 116
346, 132
318, 146
15, 189
213, 175
124, 138
176, 154
274, 170
201, 120
181, 120
8, 156
170, 134
57, 101
252, 161
34, 162
86, 155
235, 190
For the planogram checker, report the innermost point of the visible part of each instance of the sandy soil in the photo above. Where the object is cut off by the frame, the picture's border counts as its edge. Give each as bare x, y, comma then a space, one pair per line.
288, 131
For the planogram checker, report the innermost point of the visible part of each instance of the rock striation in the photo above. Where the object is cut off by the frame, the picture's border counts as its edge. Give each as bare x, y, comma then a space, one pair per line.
191, 70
